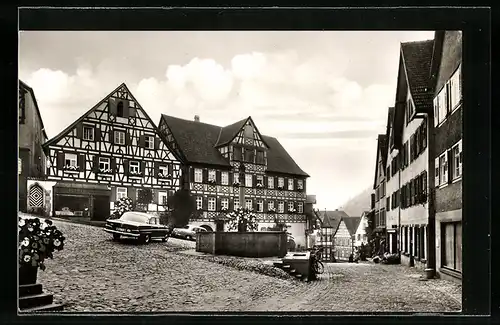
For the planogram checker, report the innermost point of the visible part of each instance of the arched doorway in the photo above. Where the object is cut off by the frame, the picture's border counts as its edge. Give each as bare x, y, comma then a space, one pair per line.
207, 228
36, 196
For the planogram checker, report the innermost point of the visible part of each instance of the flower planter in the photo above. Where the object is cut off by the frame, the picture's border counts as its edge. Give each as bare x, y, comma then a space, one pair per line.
27, 274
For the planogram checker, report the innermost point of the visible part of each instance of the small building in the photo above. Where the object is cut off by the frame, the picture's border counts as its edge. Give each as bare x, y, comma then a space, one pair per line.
31, 159
360, 236
344, 237
378, 197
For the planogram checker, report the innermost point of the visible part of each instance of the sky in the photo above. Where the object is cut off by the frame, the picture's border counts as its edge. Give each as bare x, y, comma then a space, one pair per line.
323, 94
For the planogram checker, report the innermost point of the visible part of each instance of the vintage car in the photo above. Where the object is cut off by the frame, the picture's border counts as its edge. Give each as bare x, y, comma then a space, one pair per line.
188, 232
138, 225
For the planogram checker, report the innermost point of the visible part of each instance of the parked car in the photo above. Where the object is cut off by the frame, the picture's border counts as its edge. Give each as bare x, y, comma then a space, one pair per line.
188, 232
138, 225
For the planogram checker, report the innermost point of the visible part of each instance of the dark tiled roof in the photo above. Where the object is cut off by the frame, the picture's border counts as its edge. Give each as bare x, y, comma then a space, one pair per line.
198, 141
381, 150
417, 58
32, 93
331, 219
227, 133
352, 224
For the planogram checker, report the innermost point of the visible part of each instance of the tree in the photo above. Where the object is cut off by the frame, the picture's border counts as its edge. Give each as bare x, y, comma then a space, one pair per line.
182, 206
122, 205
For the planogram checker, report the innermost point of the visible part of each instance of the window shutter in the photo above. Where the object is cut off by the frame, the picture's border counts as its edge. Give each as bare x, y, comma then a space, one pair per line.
205, 203
447, 174
127, 138
60, 160
125, 166
97, 133
79, 131
126, 108
436, 110
254, 180
111, 136
113, 165
412, 192
157, 143
218, 177
411, 148
156, 168
265, 207
112, 106
171, 169
230, 178
254, 204
81, 162
191, 174
217, 204
437, 170
231, 204
460, 157
142, 142
424, 182
96, 164
205, 175
143, 167
424, 135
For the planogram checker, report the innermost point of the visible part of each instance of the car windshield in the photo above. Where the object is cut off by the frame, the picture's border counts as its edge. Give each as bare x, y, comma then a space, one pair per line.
129, 216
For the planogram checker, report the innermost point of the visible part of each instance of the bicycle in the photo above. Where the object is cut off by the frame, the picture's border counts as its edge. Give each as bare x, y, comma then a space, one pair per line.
317, 265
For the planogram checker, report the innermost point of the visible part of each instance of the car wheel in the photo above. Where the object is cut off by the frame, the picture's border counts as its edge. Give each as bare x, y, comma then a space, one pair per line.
116, 236
146, 239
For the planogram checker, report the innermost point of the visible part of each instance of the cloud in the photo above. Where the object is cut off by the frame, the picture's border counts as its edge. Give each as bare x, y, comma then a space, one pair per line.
351, 134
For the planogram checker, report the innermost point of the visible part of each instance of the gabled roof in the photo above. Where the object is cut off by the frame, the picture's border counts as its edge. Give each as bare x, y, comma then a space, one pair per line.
227, 133
381, 150
197, 142
32, 93
352, 224
82, 117
331, 219
417, 58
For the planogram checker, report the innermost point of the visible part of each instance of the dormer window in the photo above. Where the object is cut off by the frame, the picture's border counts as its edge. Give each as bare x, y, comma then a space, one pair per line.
119, 110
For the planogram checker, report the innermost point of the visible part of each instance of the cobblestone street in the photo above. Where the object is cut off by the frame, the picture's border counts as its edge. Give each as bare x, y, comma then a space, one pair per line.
94, 273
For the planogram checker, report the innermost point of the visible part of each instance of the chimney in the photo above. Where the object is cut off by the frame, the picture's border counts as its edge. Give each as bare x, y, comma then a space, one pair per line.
196, 118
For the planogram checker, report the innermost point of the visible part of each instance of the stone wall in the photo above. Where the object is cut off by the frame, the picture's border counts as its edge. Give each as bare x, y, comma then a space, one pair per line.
245, 244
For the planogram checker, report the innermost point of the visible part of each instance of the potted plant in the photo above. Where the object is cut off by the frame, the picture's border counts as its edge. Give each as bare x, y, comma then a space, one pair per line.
37, 241
242, 220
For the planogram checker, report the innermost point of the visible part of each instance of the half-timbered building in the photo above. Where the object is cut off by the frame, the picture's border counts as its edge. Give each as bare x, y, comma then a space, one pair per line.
31, 160
232, 166
114, 150
378, 196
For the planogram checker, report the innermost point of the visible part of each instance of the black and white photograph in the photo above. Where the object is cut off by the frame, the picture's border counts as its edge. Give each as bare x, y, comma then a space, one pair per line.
240, 171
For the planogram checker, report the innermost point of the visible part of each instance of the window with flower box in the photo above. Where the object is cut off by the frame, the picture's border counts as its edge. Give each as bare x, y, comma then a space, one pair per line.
211, 175
300, 207
281, 207
270, 206
104, 165
259, 180
270, 182
88, 133
121, 192
236, 203
248, 180
70, 160
224, 178
300, 184
134, 167
290, 184
198, 175
249, 204
236, 178
456, 162
199, 202
162, 171
211, 204
281, 182
260, 205
291, 206
119, 137
224, 203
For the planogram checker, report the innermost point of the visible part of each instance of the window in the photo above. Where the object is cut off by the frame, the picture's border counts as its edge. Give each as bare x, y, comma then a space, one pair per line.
149, 142
409, 110
224, 203
300, 184
198, 175
451, 245
88, 133
248, 131
236, 203
224, 178
121, 192
291, 206
120, 137
70, 159
455, 89
260, 157
260, 180
248, 204
249, 155
119, 109
236, 178
211, 175
281, 207
290, 184
104, 163
260, 206
248, 180
163, 170
443, 168
270, 205
211, 204
300, 207
162, 198
19, 166
270, 182
281, 182
199, 203
456, 163
237, 153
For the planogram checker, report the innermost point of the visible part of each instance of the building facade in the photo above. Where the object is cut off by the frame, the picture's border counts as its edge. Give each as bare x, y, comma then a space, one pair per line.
360, 236
447, 153
344, 238
31, 159
379, 195
114, 150
225, 165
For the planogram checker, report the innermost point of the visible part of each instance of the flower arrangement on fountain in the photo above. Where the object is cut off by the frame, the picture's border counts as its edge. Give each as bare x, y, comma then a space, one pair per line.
280, 187
37, 241
72, 168
105, 170
242, 220
123, 205
259, 185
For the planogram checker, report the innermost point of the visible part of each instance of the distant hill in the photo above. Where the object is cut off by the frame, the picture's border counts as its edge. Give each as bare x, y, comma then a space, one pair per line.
355, 206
